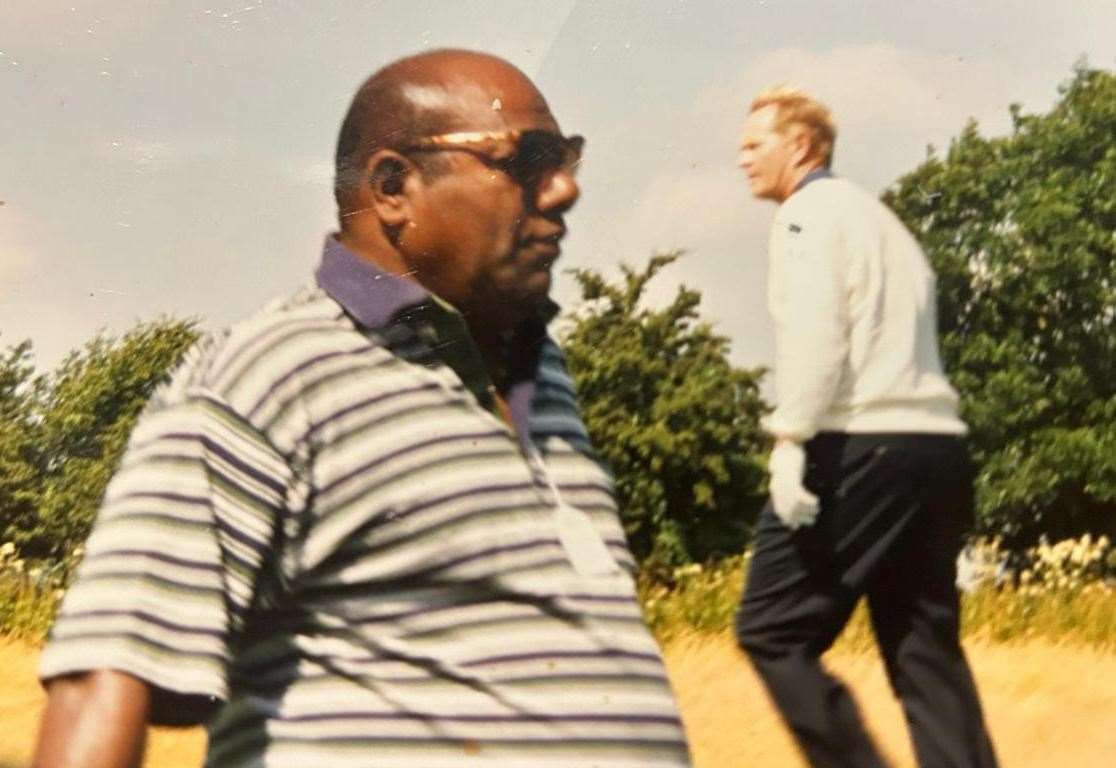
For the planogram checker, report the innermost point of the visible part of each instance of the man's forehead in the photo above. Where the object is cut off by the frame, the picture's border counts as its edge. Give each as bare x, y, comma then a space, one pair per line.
469, 105
763, 122
762, 119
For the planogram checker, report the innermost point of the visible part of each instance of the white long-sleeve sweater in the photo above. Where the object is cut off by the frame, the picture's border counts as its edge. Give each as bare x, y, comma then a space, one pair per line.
853, 302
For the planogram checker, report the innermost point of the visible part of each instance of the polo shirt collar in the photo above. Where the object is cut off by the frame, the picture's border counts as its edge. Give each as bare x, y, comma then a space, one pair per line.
812, 176
377, 299
370, 294
374, 296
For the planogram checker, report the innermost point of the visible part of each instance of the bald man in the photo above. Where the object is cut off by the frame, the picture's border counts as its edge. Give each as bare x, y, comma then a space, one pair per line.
366, 526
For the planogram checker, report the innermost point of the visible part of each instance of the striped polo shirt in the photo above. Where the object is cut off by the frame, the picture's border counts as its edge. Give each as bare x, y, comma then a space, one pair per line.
324, 543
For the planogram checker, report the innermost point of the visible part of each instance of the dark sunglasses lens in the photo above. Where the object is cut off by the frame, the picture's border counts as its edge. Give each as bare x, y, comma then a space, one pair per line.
540, 152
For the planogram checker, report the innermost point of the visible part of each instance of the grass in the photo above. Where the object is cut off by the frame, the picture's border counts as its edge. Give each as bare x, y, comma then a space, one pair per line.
703, 600
1084, 615
25, 610
30, 593
1066, 596
1069, 602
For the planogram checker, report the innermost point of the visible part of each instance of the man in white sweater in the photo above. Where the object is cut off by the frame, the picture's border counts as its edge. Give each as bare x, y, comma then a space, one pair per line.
871, 485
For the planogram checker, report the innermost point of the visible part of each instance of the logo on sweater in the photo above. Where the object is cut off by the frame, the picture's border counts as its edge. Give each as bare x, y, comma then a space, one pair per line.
794, 228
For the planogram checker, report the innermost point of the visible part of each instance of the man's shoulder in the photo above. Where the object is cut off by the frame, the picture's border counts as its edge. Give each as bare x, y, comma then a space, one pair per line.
821, 195
814, 209
834, 201
246, 359
553, 372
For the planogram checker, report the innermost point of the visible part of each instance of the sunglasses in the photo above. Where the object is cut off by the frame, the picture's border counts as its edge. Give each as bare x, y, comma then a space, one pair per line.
526, 156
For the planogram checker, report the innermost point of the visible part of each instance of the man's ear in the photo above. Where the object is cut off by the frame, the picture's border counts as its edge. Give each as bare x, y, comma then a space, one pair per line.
802, 142
391, 180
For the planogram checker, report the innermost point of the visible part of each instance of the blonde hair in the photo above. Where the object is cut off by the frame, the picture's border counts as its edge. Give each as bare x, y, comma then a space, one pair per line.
796, 107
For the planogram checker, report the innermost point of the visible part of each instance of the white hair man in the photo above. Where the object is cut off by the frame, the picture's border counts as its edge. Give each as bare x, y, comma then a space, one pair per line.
871, 485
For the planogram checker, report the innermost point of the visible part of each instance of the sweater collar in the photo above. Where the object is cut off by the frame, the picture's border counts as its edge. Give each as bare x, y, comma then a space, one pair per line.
812, 176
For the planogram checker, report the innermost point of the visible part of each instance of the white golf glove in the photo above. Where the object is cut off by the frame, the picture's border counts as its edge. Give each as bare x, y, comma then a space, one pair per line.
793, 504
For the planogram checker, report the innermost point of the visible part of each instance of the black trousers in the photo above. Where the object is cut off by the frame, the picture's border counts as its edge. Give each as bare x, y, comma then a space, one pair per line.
893, 511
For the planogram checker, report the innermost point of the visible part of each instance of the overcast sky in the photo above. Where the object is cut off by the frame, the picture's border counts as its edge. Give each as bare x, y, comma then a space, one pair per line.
174, 156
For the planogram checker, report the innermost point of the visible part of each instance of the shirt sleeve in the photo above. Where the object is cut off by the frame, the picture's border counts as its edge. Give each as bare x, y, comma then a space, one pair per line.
171, 567
809, 307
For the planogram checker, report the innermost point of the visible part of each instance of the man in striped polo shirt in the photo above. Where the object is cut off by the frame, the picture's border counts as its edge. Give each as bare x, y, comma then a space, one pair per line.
366, 526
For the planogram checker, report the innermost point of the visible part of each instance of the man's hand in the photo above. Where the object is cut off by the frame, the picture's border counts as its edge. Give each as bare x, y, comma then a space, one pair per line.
793, 504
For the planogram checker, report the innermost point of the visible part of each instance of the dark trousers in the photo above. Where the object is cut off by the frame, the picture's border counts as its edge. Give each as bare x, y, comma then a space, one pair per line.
893, 511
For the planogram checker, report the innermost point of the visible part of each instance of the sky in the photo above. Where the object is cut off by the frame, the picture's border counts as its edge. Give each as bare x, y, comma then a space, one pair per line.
174, 157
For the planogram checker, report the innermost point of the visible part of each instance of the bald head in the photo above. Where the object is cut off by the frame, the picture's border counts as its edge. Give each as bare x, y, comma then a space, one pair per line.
427, 94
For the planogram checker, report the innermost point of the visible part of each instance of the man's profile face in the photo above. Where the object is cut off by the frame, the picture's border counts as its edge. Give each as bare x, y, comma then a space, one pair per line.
485, 240
768, 155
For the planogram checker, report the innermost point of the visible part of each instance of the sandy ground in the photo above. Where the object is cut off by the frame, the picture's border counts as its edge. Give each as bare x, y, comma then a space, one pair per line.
1047, 706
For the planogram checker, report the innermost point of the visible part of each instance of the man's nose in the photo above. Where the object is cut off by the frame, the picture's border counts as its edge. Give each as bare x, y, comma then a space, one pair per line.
557, 190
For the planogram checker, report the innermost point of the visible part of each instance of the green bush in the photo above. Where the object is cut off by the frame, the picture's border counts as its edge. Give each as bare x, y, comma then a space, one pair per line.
677, 423
61, 435
1020, 232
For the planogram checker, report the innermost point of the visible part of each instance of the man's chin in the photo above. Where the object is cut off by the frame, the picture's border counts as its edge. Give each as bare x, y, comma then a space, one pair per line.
509, 310
532, 289
538, 284
528, 304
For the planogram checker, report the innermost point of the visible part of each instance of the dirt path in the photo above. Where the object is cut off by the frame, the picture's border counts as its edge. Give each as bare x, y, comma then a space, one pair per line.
1048, 707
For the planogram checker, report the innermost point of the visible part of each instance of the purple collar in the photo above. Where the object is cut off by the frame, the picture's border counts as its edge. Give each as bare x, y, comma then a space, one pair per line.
812, 176
376, 298
371, 295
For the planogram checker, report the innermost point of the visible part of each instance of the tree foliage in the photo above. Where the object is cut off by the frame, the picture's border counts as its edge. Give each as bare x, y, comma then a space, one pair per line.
676, 422
1021, 230
61, 435
20, 393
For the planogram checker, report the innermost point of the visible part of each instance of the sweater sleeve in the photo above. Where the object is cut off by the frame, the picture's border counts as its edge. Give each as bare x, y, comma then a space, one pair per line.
808, 304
